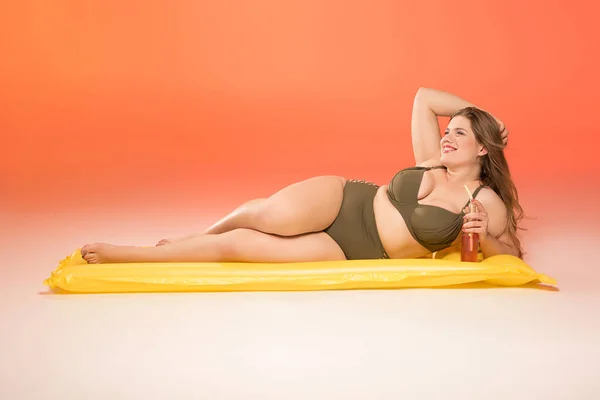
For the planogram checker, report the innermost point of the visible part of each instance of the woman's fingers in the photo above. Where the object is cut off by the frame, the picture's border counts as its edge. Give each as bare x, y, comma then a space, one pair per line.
479, 206
476, 222
504, 135
503, 131
477, 216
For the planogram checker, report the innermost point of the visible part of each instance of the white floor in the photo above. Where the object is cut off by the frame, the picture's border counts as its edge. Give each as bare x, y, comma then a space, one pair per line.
501, 343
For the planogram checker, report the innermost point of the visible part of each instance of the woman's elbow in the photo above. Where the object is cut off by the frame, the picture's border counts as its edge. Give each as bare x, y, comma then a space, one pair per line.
421, 93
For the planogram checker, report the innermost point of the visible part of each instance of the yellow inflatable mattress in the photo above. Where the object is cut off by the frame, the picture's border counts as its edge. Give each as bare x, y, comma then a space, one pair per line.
74, 275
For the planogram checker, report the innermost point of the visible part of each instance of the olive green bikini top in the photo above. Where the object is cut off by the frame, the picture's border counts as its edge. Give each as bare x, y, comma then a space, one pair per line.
435, 228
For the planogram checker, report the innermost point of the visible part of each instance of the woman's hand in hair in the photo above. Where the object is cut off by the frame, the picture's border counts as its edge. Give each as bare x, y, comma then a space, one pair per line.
503, 133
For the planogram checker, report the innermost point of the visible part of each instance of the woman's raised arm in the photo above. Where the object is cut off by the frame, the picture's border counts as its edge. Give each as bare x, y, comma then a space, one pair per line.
428, 105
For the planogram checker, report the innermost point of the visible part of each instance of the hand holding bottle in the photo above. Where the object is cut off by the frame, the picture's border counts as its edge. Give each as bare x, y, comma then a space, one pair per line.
476, 220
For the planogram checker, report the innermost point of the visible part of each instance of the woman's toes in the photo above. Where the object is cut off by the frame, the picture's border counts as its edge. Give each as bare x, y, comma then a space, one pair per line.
87, 255
92, 258
92, 252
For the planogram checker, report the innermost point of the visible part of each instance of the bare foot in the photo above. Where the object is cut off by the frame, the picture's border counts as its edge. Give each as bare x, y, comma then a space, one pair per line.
99, 253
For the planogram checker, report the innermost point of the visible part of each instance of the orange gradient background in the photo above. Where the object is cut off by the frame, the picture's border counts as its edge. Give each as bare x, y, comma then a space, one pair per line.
131, 121
208, 103
175, 113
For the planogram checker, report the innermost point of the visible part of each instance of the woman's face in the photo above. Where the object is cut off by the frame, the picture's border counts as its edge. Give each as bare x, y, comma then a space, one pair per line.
459, 145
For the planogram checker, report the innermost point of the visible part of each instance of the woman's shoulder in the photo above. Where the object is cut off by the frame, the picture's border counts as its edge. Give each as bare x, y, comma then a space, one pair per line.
486, 193
491, 201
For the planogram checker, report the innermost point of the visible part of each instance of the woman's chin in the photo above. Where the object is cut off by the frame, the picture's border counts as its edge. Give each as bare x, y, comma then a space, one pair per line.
444, 159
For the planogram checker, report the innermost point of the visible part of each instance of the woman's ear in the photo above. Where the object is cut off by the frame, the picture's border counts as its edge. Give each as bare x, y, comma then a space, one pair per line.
482, 151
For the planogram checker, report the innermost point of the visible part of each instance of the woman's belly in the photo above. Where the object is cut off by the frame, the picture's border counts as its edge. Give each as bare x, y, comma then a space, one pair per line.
395, 237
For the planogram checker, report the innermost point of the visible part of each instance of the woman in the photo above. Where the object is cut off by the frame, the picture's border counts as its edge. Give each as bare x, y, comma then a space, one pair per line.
420, 211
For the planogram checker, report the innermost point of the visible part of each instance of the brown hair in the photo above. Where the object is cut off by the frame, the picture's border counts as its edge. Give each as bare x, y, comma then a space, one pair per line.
494, 167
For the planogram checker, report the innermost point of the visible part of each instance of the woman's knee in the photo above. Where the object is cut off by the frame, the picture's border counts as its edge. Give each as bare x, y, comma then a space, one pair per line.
269, 216
253, 213
275, 218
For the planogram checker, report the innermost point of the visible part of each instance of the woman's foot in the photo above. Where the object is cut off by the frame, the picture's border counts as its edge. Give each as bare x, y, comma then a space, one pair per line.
99, 253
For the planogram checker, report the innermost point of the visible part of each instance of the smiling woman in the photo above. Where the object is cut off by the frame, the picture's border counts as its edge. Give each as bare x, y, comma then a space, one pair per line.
325, 218
485, 137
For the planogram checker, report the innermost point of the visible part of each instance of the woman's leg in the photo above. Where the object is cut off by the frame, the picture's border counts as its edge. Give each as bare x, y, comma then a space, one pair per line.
307, 206
243, 209
238, 245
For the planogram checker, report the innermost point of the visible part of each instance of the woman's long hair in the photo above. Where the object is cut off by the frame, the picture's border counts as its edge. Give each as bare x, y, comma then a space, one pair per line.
494, 167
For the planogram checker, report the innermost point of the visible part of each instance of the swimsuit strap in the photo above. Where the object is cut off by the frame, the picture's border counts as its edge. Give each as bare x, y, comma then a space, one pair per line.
422, 168
477, 191
475, 194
